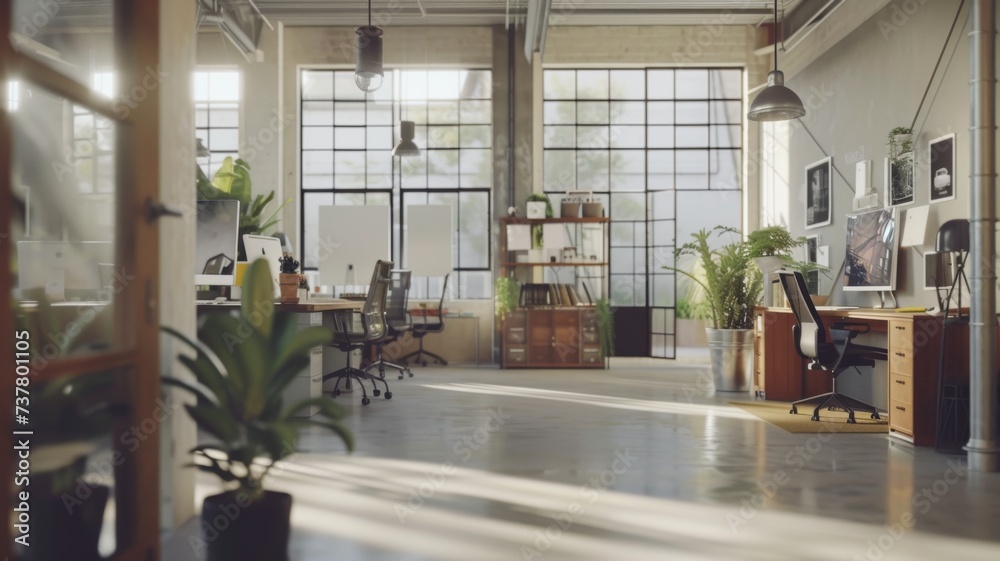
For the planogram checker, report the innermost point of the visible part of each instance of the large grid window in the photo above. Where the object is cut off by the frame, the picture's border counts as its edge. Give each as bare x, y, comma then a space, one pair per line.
663, 148
217, 116
346, 145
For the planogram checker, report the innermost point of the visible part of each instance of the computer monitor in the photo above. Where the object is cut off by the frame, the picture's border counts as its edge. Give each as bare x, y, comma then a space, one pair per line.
269, 249
217, 240
872, 251
65, 270
938, 270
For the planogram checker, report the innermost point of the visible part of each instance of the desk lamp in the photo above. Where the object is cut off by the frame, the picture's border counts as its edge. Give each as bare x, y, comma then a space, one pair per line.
953, 237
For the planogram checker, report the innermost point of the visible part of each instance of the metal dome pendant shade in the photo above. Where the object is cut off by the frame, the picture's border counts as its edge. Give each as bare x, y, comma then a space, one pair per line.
776, 102
368, 71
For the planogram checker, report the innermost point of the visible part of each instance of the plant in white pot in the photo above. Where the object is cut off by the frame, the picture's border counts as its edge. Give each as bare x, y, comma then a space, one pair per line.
732, 285
771, 248
242, 366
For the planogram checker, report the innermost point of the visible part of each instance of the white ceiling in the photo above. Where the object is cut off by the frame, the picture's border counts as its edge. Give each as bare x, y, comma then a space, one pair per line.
387, 13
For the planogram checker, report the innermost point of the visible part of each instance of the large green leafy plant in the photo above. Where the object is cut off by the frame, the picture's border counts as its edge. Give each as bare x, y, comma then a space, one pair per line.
772, 241
732, 281
232, 182
242, 366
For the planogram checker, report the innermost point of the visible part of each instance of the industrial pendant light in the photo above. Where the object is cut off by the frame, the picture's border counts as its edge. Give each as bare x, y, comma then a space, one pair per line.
368, 72
776, 102
406, 146
407, 129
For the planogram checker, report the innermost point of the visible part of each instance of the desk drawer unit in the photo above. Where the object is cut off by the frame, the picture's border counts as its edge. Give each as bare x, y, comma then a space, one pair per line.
901, 378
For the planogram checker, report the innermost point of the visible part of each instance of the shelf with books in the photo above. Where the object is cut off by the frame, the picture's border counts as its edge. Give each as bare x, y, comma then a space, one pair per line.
562, 267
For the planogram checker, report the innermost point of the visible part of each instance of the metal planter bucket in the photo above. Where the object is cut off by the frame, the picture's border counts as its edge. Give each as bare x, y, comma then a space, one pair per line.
731, 351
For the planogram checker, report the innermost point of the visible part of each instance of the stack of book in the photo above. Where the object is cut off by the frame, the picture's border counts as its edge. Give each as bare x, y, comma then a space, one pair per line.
554, 295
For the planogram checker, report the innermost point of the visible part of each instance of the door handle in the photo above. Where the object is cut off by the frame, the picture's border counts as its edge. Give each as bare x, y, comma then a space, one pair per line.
156, 210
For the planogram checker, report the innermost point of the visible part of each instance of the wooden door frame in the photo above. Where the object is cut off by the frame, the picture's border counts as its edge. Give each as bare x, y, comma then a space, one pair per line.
136, 29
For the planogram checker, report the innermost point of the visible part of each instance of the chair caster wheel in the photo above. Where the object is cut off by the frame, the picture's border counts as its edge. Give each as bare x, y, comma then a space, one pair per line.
423, 363
875, 416
409, 373
388, 395
814, 418
336, 393
365, 400
851, 421
794, 411
400, 376
376, 392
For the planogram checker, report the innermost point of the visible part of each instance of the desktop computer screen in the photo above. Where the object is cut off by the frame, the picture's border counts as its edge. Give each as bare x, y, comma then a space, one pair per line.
216, 242
65, 270
872, 251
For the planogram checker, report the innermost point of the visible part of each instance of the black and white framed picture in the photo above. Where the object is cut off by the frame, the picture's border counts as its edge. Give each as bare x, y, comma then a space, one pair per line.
818, 193
899, 180
812, 256
942, 168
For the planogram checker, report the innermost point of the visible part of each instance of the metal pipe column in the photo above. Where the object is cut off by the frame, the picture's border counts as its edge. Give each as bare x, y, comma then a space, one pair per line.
983, 447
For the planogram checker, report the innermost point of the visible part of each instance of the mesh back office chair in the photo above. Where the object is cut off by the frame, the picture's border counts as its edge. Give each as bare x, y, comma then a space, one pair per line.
429, 325
834, 355
397, 319
352, 331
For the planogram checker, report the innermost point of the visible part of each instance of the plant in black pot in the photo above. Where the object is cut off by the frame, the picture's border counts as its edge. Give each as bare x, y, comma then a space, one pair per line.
70, 416
242, 366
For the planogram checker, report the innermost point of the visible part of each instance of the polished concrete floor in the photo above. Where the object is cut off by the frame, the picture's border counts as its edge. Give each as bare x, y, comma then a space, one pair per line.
637, 462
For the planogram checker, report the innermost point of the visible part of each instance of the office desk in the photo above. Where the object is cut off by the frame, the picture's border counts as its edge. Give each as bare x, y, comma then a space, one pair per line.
914, 345
303, 307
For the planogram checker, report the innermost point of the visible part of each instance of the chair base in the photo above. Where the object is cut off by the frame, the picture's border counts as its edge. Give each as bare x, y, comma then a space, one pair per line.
351, 373
834, 400
382, 364
419, 353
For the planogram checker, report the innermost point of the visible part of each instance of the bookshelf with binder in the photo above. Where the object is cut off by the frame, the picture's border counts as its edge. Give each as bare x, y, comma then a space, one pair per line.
561, 265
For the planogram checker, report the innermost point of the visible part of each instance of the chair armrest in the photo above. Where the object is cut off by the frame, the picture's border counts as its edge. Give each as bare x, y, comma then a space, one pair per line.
854, 327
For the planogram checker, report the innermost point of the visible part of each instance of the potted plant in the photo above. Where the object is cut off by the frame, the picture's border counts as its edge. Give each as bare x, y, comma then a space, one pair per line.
289, 279
771, 248
605, 326
506, 295
239, 389
732, 285
69, 417
900, 143
232, 182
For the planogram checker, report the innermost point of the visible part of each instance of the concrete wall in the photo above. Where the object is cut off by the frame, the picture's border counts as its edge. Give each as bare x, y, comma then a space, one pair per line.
857, 91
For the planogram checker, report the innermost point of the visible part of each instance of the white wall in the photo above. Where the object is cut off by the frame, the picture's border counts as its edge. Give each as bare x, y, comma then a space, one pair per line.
855, 92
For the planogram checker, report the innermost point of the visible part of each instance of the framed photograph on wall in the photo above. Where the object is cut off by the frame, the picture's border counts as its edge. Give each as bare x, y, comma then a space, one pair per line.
899, 180
941, 155
819, 202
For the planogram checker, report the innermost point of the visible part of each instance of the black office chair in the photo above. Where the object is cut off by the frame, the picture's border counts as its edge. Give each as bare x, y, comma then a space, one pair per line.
354, 330
421, 329
397, 319
834, 355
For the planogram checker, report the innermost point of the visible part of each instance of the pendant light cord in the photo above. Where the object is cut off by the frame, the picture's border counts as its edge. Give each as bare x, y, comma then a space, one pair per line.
370, 13
776, 34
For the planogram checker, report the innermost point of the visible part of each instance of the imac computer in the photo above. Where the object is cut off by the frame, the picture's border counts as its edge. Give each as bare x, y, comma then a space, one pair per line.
217, 240
269, 249
65, 270
872, 251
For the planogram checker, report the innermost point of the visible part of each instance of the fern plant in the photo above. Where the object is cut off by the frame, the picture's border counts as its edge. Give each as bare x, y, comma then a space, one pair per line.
732, 282
605, 326
505, 296
772, 241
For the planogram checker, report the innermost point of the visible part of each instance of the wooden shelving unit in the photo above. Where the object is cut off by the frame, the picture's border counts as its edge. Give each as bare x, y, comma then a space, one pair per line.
557, 335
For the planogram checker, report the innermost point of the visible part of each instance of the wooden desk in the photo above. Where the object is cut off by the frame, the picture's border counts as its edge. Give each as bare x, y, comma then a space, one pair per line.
914, 345
303, 307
